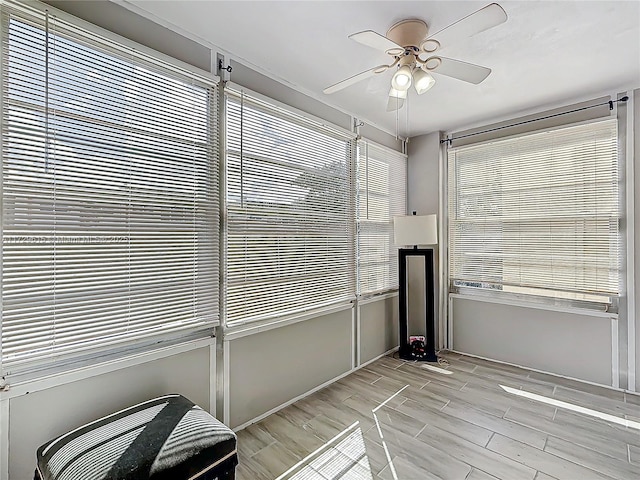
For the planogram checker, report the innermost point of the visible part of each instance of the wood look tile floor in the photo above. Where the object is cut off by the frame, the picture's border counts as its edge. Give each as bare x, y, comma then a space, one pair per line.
397, 420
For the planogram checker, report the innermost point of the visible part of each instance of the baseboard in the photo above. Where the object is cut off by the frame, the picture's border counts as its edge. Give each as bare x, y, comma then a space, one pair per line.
313, 390
388, 352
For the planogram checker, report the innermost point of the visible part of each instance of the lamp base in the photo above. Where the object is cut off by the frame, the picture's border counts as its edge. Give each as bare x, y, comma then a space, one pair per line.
418, 350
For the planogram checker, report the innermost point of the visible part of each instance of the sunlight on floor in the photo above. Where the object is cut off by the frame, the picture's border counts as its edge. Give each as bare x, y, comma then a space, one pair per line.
570, 406
389, 399
392, 468
433, 368
343, 457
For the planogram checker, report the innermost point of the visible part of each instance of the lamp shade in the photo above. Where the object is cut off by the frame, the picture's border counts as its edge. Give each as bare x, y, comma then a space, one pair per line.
397, 93
422, 81
415, 230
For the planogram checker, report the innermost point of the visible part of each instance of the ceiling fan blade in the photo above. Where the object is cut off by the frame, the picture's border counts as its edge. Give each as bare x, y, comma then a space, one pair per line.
347, 82
377, 41
394, 103
467, 72
477, 22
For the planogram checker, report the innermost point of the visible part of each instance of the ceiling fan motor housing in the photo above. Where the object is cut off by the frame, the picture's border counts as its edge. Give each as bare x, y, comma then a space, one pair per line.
408, 34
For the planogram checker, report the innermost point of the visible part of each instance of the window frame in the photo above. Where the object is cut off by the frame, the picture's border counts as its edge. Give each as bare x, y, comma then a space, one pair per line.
243, 327
110, 43
608, 305
391, 259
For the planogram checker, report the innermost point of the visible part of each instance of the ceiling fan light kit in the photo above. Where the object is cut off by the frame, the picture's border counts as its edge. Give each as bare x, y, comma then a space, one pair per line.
422, 81
408, 43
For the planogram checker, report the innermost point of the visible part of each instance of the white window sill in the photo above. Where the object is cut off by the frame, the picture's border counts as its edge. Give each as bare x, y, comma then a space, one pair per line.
377, 297
536, 305
60, 378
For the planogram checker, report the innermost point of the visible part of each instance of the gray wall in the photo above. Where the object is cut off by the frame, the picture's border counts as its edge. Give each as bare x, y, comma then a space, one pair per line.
43, 415
388, 140
424, 199
270, 368
261, 83
577, 346
423, 181
378, 327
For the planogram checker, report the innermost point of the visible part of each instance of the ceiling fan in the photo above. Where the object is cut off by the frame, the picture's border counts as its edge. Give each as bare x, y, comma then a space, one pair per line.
413, 54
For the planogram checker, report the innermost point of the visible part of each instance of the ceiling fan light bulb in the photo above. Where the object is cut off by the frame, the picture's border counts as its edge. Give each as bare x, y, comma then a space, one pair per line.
402, 78
423, 81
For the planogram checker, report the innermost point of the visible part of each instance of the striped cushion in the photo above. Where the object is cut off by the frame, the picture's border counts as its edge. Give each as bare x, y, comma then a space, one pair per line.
165, 438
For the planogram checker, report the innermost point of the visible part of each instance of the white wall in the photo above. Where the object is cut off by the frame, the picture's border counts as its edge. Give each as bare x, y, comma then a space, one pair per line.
39, 416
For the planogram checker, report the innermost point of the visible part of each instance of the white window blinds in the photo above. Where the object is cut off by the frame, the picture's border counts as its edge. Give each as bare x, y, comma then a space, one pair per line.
381, 195
290, 212
538, 213
110, 198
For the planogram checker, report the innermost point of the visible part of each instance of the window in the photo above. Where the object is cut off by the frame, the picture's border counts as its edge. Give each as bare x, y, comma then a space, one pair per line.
290, 212
382, 194
110, 199
538, 214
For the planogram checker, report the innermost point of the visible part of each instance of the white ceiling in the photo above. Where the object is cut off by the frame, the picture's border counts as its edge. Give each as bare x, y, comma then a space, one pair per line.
548, 53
